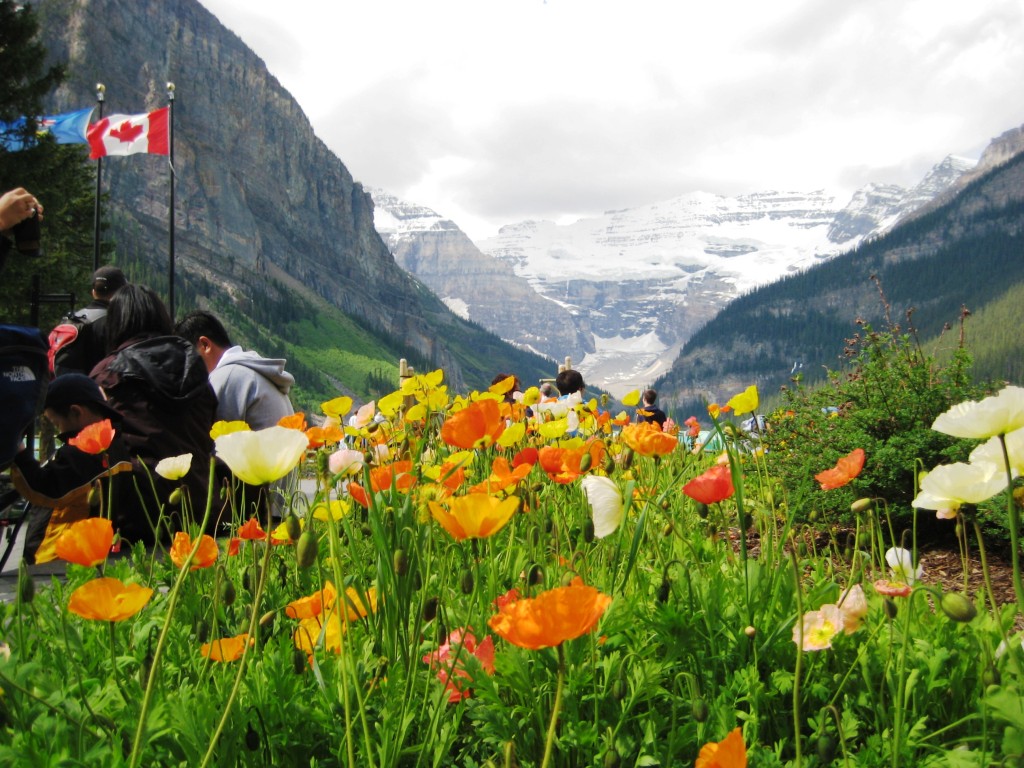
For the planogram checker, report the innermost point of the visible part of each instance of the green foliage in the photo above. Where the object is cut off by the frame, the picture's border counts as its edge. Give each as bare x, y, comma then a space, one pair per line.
884, 401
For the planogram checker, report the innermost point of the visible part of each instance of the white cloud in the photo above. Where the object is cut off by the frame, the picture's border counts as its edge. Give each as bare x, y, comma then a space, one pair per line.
491, 112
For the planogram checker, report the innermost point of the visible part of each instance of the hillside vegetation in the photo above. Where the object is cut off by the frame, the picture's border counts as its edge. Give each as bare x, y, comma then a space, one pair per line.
966, 253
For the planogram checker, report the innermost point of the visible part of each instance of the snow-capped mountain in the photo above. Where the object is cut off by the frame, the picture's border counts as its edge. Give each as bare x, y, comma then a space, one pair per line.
635, 284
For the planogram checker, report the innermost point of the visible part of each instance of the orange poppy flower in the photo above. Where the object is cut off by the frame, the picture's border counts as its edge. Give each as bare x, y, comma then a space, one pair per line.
226, 648
312, 606
306, 636
95, 438
320, 436
647, 439
475, 516
477, 425
205, 556
843, 472
293, 421
730, 752
107, 599
86, 542
561, 464
525, 456
251, 530
234, 546
893, 588
712, 486
551, 618
397, 474
502, 476
358, 493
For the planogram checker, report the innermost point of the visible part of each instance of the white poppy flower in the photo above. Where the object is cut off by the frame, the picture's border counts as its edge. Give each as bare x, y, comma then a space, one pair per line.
264, 456
992, 452
949, 486
605, 504
174, 467
996, 415
901, 562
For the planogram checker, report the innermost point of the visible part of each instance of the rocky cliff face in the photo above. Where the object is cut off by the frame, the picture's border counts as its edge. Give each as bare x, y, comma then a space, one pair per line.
258, 194
474, 286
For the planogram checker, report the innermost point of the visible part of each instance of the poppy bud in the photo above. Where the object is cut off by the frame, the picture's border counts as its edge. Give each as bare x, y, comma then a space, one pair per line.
227, 592
26, 586
890, 608
668, 529
94, 495
267, 619
604, 399
957, 607
466, 582
663, 590
702, 510
814, 516
699, 710
299, 661
249, 579
400, 561
588, 531
293, 526
585, 461
202, 631
959, 531
306, 549
860, 506
609, 464
175, 497
567, 578
627, 458
990, 676
430, 608
252, 739
826, 748
536, 575
611, 757
144, 669
619, 686
282, 572
750, 632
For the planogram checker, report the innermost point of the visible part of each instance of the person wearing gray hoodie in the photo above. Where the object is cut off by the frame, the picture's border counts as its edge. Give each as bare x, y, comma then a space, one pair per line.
249, 387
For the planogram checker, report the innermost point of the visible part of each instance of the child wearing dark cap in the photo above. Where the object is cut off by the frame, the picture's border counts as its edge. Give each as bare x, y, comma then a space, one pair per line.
61, 488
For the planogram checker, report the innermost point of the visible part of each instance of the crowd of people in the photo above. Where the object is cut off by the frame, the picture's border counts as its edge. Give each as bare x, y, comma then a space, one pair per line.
121, 359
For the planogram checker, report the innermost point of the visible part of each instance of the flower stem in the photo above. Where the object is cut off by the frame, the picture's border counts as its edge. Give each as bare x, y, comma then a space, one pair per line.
1014, 514
799, 657
555, 710
172, 601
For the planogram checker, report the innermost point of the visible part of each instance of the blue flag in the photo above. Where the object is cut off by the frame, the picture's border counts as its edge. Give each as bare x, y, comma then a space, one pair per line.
66, 128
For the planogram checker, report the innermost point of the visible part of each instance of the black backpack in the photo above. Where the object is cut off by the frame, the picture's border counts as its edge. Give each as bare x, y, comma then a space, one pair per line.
22, 376
77, 343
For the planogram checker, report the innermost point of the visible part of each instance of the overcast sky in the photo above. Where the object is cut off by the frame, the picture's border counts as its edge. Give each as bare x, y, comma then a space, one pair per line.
495, 111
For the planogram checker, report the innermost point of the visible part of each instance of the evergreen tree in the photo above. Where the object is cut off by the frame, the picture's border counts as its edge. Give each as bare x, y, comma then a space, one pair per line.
61, 177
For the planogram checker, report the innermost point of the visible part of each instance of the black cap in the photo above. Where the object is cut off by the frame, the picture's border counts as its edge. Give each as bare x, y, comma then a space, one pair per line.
77, 389
108, 279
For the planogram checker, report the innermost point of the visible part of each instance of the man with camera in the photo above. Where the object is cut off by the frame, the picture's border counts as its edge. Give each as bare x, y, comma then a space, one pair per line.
19, 212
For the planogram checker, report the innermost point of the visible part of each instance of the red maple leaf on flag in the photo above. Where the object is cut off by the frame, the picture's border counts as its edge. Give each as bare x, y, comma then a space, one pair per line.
126, 132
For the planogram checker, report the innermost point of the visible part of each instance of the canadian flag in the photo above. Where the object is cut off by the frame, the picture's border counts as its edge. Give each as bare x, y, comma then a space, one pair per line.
129, 134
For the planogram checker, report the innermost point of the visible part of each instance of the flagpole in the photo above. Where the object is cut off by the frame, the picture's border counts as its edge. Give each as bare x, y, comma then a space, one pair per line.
101, 90
170, 224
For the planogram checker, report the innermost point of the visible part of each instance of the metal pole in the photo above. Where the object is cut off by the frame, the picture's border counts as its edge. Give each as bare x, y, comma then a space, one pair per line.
101, 90
170, 223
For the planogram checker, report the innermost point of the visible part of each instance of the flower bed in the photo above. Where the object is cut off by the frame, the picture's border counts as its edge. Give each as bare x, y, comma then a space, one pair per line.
472, 585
